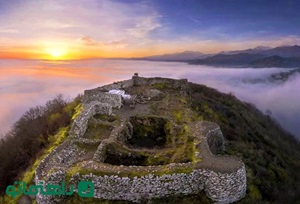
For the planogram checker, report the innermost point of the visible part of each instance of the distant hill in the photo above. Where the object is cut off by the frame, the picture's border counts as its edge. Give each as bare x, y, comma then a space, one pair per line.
255, 50
240, 59
276, 61
283, 51
180, 56
284, 56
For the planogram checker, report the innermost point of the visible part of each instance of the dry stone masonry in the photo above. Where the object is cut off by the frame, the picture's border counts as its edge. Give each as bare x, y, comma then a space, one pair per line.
115, 161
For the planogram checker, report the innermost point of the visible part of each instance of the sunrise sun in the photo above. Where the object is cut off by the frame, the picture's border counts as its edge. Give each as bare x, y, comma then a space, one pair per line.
56, 52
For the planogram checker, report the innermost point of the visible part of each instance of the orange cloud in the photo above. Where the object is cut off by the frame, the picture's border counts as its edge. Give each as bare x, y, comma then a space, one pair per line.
87, 40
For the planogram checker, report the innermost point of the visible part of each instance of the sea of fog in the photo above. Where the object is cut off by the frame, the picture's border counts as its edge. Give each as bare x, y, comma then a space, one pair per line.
27, 83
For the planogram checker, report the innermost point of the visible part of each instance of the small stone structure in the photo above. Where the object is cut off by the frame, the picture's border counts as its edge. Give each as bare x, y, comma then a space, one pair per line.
223, 178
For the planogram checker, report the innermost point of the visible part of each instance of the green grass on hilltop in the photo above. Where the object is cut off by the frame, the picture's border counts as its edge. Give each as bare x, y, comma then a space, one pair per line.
271, 155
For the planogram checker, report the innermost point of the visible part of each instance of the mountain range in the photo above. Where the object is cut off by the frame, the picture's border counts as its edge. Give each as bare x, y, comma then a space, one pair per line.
283, 56
177, 57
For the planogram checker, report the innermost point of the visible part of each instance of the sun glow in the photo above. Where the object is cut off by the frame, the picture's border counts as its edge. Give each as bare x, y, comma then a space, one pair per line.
56, 52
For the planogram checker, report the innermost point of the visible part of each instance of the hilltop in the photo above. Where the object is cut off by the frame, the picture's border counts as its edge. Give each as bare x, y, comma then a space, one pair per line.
178, 121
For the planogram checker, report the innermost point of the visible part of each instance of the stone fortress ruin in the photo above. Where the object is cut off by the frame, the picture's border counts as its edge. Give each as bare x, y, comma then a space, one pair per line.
149, 144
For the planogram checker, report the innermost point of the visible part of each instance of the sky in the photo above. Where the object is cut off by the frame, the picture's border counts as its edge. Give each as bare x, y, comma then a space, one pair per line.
69, 29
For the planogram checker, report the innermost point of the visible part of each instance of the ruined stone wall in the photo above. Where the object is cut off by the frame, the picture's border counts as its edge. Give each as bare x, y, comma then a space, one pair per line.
220, 186
120, 133
116, 85
65, 153
79, 125
39, 172
113, 100
56, 178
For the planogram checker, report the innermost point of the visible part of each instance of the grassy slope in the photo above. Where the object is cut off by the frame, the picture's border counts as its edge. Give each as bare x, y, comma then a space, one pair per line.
271, 155
27, 174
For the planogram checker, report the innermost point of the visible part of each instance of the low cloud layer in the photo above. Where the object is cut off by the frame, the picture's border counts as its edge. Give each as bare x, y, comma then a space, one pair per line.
26, 83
